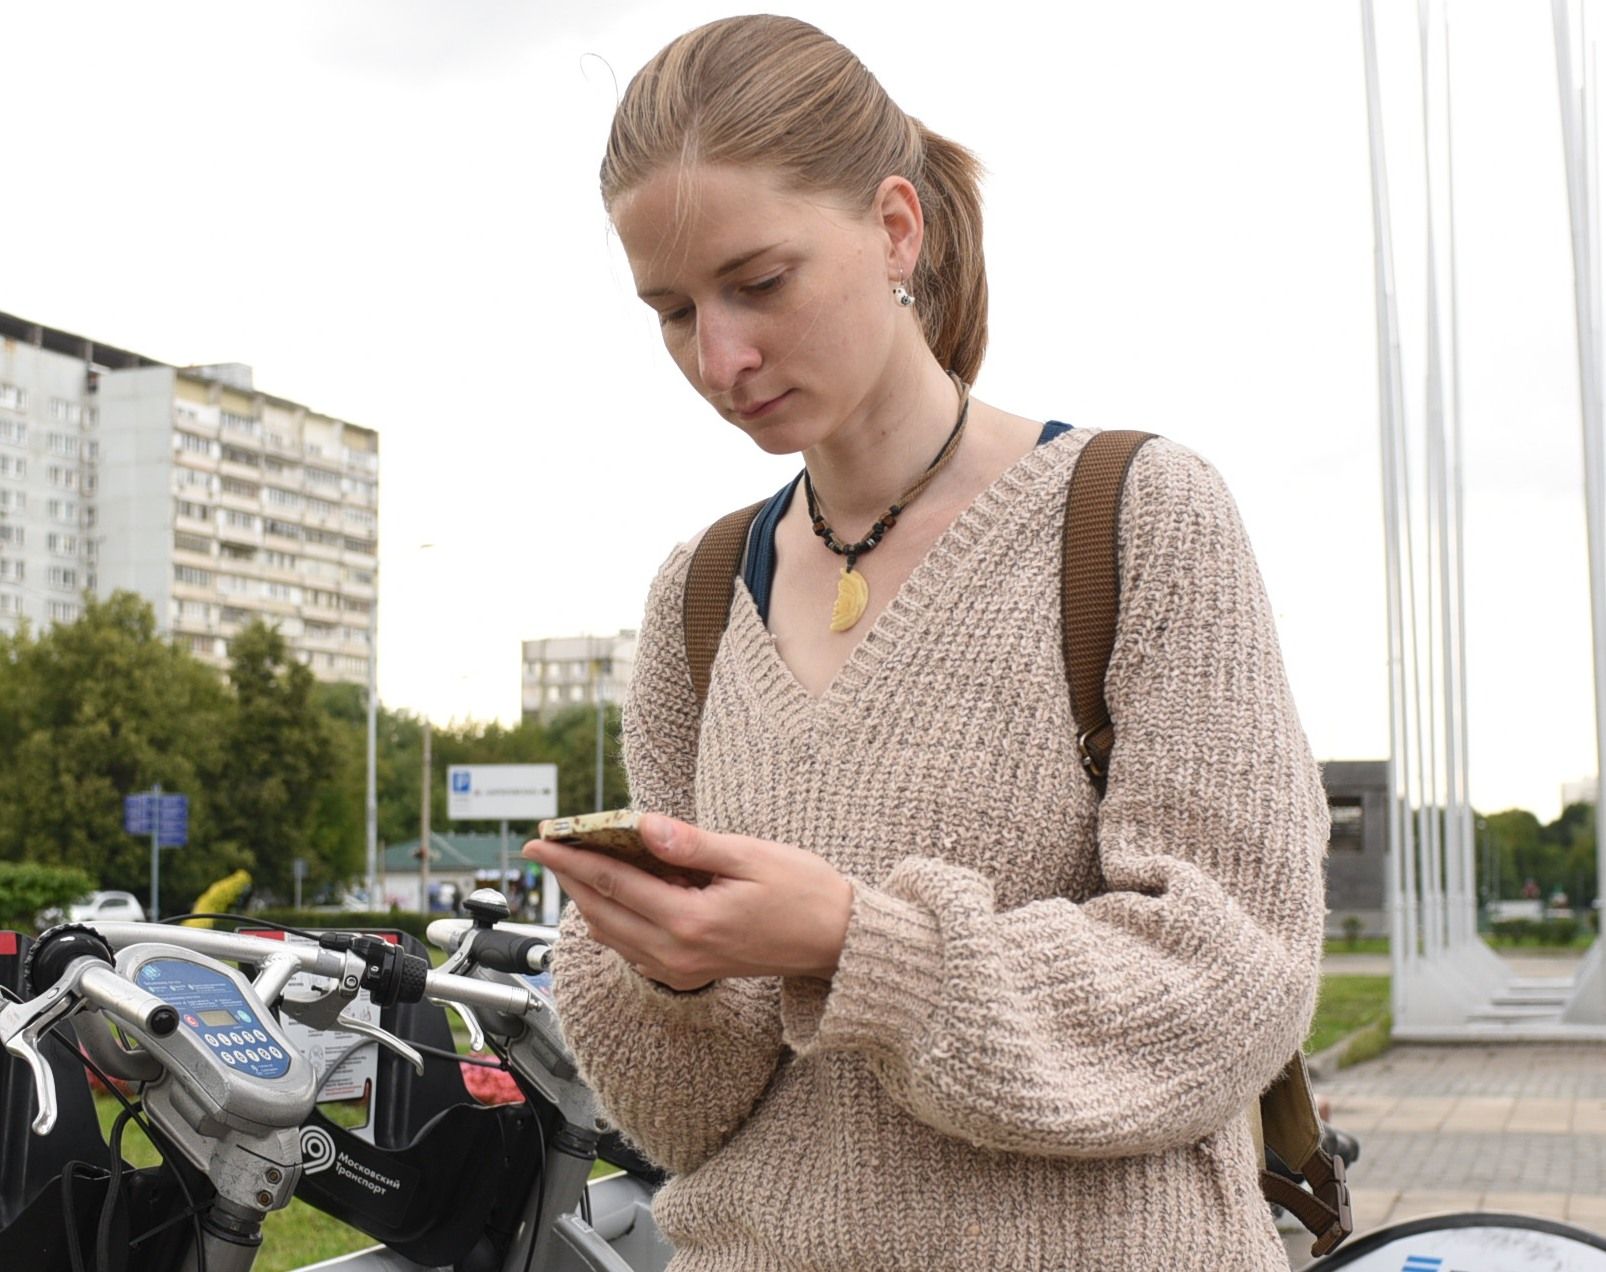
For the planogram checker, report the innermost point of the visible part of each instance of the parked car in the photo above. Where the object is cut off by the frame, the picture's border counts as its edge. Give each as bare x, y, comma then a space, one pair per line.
120, 907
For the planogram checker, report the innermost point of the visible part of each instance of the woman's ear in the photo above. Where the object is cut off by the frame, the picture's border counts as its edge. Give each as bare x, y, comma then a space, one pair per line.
897, 210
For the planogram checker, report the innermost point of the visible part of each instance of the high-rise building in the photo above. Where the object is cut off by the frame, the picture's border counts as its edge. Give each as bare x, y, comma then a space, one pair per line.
568, 671
217, 503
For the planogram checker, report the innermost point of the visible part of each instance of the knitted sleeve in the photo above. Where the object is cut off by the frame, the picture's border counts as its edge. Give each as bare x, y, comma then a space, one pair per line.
1150, 1015
677, 1073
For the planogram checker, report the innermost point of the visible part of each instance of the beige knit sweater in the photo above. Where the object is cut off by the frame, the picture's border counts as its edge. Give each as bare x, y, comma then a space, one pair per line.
1050, 1014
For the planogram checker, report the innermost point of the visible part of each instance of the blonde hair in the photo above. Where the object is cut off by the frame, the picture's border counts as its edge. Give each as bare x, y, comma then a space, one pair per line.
778, 92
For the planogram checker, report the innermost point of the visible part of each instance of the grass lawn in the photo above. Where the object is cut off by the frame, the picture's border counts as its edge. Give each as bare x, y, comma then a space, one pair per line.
1346, 1003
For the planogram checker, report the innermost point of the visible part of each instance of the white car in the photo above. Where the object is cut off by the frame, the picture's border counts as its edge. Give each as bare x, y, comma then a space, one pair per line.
120, 907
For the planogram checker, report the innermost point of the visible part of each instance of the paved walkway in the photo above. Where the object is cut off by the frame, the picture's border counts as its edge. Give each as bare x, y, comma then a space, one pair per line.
1511, 1127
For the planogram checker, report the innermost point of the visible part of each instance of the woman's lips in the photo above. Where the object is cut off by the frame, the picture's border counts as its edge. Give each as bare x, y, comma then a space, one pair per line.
762, 409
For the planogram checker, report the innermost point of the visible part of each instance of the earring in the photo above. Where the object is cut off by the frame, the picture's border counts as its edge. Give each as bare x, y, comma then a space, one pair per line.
900, 293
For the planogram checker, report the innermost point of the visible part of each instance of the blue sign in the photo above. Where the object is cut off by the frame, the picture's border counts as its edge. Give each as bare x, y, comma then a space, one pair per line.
462, 782
165, 816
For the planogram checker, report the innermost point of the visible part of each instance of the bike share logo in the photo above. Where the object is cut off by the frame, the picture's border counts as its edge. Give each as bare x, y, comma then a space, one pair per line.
317, 1150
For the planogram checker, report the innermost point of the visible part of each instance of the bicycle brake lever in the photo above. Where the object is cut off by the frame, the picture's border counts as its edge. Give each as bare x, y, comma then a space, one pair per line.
471, 1022
23, 1027
385, 1039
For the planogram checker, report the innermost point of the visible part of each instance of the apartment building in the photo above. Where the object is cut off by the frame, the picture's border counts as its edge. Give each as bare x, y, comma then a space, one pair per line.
216, 502
567, 671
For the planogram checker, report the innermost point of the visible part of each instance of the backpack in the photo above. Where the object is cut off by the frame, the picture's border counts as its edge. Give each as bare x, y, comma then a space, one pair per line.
1285, 1119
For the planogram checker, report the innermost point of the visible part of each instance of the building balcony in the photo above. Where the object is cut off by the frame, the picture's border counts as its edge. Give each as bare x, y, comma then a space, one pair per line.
241, 503
323, 551
317, 612
238, 534
245, 472
192, 525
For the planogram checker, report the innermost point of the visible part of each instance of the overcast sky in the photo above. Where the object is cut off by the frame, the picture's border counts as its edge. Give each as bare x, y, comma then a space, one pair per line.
389, 209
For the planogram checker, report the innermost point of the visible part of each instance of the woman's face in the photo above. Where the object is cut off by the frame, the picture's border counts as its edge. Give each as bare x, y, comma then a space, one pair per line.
777, 306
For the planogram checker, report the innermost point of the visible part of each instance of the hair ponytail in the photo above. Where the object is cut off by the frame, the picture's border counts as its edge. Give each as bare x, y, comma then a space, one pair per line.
777, 92
950, 282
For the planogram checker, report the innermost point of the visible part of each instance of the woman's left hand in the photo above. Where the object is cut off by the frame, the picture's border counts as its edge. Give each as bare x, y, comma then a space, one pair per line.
772, 909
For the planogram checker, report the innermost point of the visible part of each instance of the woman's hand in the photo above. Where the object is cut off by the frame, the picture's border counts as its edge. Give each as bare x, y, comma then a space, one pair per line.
771, 910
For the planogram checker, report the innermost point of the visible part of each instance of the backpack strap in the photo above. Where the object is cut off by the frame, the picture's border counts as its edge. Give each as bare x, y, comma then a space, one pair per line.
710, 589
1090, 579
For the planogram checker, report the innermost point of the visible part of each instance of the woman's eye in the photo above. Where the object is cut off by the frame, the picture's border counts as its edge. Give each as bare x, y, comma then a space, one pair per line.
766, 284
674, 315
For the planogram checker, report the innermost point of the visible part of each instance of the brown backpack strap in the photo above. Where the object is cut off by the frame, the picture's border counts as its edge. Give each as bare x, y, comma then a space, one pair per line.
1090, 580
710, 589
1293, 1131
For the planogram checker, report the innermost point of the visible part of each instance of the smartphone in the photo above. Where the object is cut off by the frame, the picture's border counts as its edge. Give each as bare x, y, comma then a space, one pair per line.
617, 834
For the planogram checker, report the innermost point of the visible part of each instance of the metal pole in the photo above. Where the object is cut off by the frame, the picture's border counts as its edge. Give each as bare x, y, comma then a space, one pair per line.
596, 673
156, 853
423, 830
1401, 875
501, 878
1578, 149
371, 803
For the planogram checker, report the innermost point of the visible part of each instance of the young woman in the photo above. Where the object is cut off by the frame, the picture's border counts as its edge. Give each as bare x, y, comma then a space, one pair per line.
941, 1007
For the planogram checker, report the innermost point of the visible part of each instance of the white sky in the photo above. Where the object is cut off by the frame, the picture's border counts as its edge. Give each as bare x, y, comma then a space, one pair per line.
389, 209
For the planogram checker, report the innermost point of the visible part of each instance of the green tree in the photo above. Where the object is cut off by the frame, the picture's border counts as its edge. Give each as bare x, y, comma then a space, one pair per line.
90, 712
277, 758
1516, 838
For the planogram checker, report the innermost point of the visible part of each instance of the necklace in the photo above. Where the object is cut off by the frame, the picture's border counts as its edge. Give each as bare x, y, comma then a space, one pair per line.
852, 592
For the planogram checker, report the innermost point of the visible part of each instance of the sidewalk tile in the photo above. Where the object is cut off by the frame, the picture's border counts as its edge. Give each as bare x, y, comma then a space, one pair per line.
1371, 1207
1473, 1113
1544, 1205
1418, 1203
1589, 1116
1359, 1114
1587, 1210
1418, 1113
1540, 1115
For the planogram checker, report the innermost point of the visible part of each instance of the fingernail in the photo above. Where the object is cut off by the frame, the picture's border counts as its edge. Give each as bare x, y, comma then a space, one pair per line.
658, 831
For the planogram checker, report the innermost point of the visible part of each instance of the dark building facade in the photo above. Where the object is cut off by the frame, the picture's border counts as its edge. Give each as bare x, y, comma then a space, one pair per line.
1357, 850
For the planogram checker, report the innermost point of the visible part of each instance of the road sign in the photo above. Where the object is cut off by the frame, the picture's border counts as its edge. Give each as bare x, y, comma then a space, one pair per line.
501, 792
165, 816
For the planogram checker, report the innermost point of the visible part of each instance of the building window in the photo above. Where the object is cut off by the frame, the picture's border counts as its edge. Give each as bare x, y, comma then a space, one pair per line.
324, 537
62, 476
14, 535
283, 529
10, 604
361, 517
238, 455
14, 432
241, 489
62, 578
365, 546
284, 498
13, 501
64, 510
13, 466
194, 577
278, 560
192, 510
234, 614
202, 446
63, 612
237, 551
321, 508
318, 477
12, 570
1348, 824
13, 398
64, 445
62, 544
248, 424
66, 412
192, 543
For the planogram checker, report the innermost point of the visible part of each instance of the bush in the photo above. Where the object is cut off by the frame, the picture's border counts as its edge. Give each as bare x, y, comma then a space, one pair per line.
1352, 929
220, 898
1560, 931
26, 888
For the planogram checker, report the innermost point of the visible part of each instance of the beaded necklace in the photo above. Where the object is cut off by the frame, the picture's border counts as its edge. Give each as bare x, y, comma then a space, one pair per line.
852, 592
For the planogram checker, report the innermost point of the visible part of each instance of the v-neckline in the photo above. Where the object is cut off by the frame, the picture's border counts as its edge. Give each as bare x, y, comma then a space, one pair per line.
771, 677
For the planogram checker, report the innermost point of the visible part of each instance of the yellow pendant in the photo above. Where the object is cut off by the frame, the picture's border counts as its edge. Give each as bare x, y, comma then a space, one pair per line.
852, 595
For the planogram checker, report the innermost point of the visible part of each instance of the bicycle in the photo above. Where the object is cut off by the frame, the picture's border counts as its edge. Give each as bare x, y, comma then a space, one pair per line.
231, 1103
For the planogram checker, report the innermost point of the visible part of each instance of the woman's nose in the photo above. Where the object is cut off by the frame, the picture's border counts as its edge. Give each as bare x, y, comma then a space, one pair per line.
724, 352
